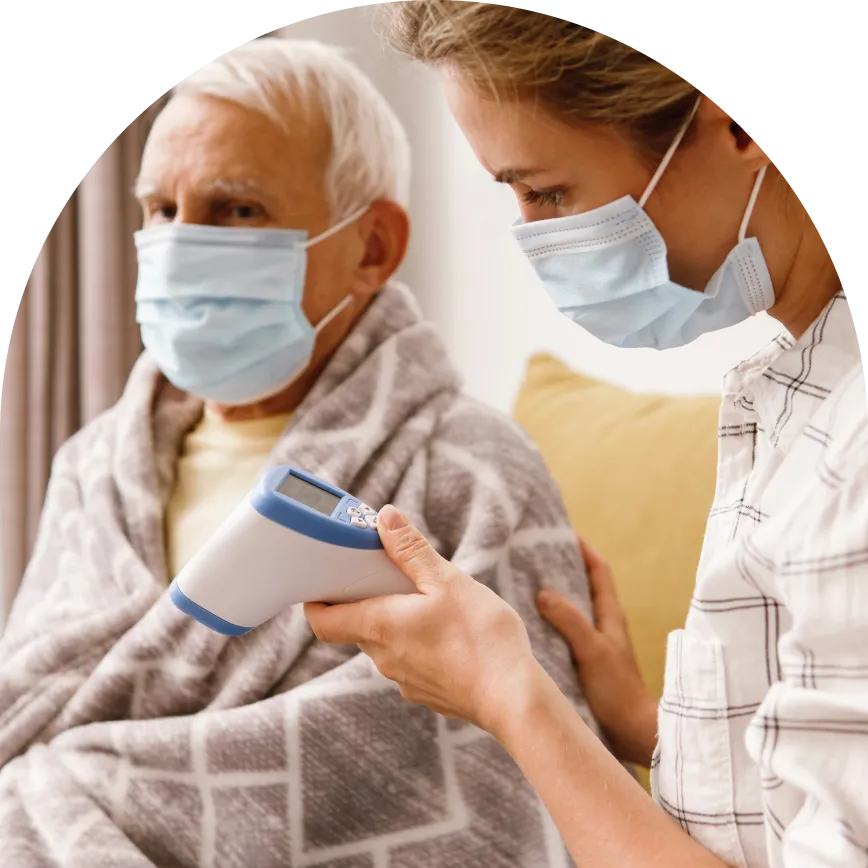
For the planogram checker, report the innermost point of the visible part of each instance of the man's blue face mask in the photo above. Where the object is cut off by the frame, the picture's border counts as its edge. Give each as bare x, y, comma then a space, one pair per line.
606, 270
220, 308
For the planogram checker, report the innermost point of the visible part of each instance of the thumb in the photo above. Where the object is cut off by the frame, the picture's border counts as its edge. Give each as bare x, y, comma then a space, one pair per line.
410, 551
568, 621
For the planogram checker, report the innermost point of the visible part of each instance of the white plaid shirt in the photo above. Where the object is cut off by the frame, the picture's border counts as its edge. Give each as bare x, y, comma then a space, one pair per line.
763, 724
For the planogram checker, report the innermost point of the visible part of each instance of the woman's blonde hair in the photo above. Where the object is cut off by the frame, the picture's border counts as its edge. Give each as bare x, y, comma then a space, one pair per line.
577, 74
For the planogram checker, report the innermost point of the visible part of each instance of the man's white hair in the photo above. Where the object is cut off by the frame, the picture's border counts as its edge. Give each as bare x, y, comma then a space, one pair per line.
370, 156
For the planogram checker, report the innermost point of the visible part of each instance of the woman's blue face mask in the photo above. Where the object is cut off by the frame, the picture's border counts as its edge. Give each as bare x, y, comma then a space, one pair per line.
606, 269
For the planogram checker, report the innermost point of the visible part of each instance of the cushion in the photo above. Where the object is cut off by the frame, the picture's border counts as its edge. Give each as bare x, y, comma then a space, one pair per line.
637, 475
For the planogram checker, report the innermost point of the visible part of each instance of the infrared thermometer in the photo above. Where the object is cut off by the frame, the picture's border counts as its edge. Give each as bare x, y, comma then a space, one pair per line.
294, 539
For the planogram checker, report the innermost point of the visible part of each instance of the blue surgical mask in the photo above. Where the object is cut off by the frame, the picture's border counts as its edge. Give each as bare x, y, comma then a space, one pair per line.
606, 270
220, 307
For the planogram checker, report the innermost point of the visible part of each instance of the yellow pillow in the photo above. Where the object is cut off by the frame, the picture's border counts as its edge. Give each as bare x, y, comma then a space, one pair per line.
637, 476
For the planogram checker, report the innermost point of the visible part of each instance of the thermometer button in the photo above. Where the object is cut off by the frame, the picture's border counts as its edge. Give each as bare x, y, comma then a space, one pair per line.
353, 510
366, 510
372, 521
355, 521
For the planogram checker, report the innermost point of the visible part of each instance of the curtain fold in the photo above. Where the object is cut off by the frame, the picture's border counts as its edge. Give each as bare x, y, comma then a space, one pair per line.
73, 343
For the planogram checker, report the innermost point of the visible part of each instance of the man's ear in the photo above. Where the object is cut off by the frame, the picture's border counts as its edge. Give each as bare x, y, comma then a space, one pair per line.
385, 230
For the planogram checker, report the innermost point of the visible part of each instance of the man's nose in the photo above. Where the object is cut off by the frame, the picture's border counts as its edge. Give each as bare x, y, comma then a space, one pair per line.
193, 211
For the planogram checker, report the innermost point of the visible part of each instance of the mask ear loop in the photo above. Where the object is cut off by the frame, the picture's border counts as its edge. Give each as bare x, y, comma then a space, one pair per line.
332, 314
321, 237
668, 155
742, 230
316, 330
341, 224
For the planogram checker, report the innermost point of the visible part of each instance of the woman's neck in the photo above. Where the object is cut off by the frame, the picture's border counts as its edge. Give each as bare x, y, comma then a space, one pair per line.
803, 274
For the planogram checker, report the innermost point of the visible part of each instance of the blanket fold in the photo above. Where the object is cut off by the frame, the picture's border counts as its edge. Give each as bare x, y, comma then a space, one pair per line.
130, 735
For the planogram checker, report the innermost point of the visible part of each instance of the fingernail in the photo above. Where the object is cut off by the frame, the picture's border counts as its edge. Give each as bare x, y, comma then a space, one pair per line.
546, 599
392, 518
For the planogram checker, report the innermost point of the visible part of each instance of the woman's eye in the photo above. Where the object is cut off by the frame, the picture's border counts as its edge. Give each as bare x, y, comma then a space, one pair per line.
552, 198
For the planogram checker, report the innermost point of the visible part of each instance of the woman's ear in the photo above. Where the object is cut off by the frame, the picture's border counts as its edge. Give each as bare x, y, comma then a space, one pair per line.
727, 133
742, 139
385, 231
747, 147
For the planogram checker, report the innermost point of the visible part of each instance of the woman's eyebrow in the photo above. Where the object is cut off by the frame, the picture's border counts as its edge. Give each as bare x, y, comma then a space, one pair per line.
512, 176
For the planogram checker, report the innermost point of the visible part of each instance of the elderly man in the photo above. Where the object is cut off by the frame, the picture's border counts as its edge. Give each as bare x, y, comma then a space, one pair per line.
273, 187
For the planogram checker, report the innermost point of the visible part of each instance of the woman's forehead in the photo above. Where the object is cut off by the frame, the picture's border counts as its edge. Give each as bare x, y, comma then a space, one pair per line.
519, 140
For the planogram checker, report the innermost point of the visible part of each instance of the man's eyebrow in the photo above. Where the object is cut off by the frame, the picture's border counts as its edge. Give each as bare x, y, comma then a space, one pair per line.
234, 187
144, 189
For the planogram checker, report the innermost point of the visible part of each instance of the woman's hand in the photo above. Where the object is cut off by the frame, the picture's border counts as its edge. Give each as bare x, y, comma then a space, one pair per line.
607, 665
455, 646
459, 649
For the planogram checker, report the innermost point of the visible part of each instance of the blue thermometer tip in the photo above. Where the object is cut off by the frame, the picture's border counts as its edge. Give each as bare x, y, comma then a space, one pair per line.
202, 615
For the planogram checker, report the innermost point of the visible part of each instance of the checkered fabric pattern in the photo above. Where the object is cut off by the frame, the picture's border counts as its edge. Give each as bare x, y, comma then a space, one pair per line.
763, 724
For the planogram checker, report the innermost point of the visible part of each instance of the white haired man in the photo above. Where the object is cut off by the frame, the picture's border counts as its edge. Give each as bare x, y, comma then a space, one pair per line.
273, 187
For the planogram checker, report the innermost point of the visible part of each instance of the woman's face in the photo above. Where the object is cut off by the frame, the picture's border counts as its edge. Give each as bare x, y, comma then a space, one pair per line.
556, 170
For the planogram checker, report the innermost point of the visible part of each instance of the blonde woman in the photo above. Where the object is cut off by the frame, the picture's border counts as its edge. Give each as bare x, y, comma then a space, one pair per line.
651, 217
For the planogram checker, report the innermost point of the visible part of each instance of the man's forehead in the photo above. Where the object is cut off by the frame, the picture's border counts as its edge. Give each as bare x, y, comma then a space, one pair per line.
220, 122
223, 149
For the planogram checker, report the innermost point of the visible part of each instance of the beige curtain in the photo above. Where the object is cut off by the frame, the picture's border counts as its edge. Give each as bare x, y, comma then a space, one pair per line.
74, 341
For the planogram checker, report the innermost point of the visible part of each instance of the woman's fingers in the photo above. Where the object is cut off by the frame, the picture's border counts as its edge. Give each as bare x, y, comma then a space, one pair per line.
371, 621
567, 620
570, 622
345, 624
593, 559
410, 551
607, 610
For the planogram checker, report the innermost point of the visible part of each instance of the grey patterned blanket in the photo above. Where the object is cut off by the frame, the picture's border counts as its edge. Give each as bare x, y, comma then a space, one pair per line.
130, 735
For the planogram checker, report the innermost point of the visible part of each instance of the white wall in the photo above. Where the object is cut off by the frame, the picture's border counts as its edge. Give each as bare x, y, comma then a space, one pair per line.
3, 349
464, 266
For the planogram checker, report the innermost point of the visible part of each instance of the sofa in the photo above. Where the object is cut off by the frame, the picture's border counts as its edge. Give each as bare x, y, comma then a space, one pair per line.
637, 475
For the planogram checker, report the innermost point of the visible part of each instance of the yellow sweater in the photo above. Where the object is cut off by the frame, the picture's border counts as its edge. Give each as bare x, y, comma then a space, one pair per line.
219, 463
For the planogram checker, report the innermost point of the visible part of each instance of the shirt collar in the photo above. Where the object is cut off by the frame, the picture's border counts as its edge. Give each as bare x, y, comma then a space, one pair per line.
780, 387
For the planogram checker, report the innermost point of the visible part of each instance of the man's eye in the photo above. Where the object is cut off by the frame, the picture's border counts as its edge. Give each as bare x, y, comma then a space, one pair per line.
161, 212
246, 212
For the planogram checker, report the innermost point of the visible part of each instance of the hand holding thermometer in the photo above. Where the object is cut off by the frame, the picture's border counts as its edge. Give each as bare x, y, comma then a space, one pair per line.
294, 539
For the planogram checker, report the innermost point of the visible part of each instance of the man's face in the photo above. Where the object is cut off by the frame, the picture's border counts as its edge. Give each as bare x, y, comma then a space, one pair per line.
212, 162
